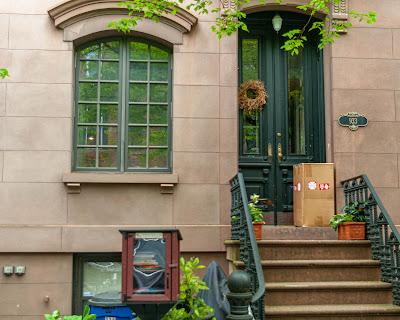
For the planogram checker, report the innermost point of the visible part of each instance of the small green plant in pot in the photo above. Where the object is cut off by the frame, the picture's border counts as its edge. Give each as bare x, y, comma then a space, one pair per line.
257, 216
350, 223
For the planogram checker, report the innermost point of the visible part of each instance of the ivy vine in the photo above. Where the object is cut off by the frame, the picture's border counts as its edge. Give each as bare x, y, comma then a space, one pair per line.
232, 19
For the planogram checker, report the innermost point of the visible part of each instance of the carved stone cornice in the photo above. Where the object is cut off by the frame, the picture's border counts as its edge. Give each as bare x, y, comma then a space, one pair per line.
71, 12
340, 11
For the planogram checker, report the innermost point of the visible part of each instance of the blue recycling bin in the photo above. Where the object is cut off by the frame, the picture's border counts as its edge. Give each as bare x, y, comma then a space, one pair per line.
112, 313
108, 306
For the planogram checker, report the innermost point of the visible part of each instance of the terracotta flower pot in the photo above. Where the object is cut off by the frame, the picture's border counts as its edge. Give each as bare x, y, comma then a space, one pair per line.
351, 231
257, 227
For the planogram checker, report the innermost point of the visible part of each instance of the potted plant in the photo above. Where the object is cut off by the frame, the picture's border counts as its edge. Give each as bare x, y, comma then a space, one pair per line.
350, 223
257, 216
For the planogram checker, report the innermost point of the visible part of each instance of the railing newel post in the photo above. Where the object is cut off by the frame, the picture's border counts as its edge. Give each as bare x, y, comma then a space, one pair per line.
239, 296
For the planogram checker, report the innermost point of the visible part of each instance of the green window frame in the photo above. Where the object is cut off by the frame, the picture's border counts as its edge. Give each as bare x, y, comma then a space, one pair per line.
122, 119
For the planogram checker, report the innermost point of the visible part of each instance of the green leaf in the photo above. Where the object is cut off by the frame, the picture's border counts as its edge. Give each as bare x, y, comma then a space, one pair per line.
3, 73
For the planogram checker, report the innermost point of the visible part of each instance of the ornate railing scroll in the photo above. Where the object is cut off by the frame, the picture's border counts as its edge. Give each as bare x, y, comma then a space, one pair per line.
381, 231
242, 230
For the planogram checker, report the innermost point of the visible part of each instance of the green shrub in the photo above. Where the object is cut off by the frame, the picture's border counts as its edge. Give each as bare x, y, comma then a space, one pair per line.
354, 212
190, 306
56, 315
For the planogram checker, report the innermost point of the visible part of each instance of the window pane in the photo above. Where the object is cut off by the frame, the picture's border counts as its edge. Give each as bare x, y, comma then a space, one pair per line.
159, 93
159, 114
109, 70
110, 50
158, 71
101, 277
108, 113
250, 59
296, 141
138, 71
87, 91
86, 157
88, 70
138, 92
138, 113
251, 133
108, 135
137, 136
109, 92
158, 158
138, 51
91, 52
87, 113
136, 158
87, 135
158, 54
108, 157
158, 136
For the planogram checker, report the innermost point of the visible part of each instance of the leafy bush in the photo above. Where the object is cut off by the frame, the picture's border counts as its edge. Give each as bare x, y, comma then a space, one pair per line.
255, 212
56, 315
354, 212
190, 306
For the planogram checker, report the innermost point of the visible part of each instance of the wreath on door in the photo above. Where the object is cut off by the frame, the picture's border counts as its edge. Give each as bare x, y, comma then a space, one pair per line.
252, 95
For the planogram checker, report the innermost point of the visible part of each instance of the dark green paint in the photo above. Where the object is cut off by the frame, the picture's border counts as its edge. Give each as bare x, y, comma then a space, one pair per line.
268, 176
161, 59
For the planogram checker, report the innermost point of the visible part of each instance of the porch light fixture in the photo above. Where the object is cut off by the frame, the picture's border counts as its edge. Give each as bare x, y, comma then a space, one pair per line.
277, 22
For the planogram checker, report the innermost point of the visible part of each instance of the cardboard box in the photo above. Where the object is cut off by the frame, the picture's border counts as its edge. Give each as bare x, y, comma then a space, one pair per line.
313, 194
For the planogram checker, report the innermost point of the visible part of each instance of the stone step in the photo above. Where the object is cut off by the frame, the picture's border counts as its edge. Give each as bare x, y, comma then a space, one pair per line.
298, 233
314, 249
306, 249
318, 270
333, 292
334, 312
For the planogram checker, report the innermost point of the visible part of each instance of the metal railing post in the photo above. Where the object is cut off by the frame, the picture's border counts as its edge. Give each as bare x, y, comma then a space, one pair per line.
239, 296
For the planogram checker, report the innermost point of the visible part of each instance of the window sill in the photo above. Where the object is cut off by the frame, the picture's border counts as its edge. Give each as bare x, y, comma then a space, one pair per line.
73, 180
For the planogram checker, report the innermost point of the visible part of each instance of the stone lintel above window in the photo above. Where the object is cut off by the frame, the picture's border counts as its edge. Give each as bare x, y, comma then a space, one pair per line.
73, 180
81, 18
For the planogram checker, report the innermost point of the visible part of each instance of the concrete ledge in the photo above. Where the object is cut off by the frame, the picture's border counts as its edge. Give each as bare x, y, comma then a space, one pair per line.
100, 238
107, 177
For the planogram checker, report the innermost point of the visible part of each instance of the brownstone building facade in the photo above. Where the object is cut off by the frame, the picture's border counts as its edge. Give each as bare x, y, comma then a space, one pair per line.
66, 191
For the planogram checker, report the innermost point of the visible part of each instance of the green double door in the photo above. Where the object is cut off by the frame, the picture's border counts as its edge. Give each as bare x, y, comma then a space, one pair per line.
290, 128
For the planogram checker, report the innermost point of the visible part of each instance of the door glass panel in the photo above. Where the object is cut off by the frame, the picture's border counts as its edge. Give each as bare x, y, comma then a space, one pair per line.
296, 128
149, 265
250, 59
251, 133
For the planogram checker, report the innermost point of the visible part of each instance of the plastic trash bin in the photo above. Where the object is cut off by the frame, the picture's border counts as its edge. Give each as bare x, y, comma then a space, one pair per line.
107, 306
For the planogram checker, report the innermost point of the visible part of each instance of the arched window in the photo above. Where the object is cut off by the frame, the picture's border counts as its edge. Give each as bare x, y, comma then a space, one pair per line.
122, 106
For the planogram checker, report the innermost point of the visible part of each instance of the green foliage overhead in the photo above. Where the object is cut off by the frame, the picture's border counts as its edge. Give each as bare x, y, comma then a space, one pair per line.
232, 19
190, 306
354, 212
3, 73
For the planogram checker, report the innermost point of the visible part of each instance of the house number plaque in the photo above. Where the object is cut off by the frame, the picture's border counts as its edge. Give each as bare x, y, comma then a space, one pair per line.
353, 120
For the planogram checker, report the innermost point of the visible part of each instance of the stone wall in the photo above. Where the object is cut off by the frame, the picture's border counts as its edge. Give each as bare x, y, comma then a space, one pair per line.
365, 70
36, 107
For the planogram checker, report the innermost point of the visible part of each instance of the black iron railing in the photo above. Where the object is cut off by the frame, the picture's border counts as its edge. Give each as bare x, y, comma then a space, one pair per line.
381, 231
242, 230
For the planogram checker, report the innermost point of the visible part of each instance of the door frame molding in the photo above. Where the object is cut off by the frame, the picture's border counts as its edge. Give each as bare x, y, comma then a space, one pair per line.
321, 95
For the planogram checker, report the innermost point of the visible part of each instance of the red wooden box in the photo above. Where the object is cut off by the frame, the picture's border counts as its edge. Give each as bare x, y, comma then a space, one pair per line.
150, 265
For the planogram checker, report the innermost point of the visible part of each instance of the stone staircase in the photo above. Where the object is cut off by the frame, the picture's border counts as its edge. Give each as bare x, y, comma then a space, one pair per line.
320, 279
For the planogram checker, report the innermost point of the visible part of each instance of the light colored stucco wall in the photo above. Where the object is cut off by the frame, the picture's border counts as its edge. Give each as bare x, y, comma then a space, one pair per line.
366, 78
36, 104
